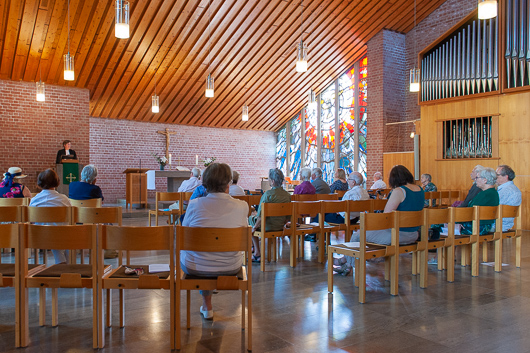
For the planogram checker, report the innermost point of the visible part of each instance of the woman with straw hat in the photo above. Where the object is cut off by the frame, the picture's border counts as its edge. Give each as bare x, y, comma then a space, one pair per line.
10, 186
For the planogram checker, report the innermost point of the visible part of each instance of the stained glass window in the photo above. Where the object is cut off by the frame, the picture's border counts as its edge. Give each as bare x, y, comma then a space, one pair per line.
363, 106
295, 151
347, 122
311, 137
327, 129
281, 150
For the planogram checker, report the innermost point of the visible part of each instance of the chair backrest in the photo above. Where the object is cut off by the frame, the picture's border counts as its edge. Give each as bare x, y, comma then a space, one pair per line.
360, 205
340, 193
327, 197
97, 215
454, 195
458, 215
242, 198
11, 214
9, 235
167, 196
445, 198
306, 208
137, 238
59, 237
184, 197
483, 213
86, 203
213, 239
378, 205
383, 193
333, 206
254, 199
407, 219
59, 214
433, 216
19, 201
432, 197
510, 212
376, 221
304, 197
270, 209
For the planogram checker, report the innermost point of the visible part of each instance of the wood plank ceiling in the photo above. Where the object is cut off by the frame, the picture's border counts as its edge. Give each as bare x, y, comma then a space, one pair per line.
253, 53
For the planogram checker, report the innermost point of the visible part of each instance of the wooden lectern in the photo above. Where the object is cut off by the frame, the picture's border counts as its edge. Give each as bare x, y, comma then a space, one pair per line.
135, 180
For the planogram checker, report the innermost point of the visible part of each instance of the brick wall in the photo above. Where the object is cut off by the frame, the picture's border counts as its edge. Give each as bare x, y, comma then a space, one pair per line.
33, 132
116, 145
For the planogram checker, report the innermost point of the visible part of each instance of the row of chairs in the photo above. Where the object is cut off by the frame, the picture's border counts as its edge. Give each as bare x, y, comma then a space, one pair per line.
100, 277
445, 245
24, 201
444, 198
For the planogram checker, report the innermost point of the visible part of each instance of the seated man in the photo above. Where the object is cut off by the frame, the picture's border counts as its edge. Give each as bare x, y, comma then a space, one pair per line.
188, 186
473, 191
428, 186
356, 192
321, 187
236, 190
86, 188
509, 194
275, 195
378, 182
305, 187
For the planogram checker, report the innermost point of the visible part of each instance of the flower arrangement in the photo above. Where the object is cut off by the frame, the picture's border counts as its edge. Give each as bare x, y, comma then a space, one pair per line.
209, 161
162, 161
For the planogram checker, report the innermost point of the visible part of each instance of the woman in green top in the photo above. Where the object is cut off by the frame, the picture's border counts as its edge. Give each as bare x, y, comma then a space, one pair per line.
488, 196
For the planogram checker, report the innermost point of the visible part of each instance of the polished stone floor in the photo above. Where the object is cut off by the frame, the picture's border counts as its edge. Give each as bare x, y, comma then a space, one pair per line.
293, 312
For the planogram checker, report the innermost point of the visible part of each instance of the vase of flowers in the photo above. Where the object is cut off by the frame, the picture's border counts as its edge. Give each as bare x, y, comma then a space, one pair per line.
209, 161
162, 161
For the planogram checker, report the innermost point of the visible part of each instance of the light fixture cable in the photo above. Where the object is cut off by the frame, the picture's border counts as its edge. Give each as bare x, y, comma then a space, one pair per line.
209, 93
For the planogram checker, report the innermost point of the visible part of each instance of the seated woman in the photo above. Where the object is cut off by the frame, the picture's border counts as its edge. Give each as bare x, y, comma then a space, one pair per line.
236, 190
305, 187
218, 210
405, 196
488, 196
10, 187
86, 188
340, 182
275, 195
48, 180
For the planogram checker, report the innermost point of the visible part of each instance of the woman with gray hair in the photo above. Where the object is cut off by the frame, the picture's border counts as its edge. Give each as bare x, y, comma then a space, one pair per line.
275, 195
305, 187
86, 188
488, 196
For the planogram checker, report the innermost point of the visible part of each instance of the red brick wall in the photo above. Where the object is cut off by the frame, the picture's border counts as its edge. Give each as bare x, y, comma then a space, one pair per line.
116, 145
33, 132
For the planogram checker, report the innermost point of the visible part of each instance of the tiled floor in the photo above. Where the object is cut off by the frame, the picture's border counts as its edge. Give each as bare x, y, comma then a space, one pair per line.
293, 312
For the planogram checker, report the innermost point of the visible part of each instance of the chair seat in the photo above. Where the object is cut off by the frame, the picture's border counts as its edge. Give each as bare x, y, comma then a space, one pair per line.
212, 283
8, 270
372, 250
120, 272
57, 270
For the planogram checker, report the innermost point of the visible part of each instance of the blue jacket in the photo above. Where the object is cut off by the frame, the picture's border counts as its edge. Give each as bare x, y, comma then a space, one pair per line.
79, 190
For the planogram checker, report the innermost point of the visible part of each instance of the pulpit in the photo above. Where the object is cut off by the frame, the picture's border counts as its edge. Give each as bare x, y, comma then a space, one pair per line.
135, 186
68, 171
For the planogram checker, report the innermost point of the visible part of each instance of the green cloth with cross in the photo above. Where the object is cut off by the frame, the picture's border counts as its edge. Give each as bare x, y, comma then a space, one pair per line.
70, 173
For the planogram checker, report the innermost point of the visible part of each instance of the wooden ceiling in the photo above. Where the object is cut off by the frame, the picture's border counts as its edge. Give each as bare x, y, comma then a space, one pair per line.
253, 53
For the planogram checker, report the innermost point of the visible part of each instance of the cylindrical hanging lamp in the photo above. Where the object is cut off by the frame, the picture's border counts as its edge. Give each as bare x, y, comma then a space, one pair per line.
487, 9
209, 86
69, 74
301, 59
312, 101
155, 103
245, 113
414, 80
121, 28
41, 97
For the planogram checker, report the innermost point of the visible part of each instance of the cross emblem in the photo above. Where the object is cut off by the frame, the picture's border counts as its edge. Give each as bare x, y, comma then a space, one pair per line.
70, 177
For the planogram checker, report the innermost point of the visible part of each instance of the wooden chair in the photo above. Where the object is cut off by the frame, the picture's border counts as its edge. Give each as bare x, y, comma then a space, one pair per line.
9, 235
86, 203
516, 232
254, 200
433, 197
454, 195
433, 216
378, 205
331, 206
11, 214
165, 197
301, 211
135, 239
304, 197
482, 213
365, 251
458, 215
59, 275
215, 240
19, 201
183, 202
407, 219
383, 193
445, 198
321, 197
269, 209
340, 193
245, 198
60, 214
361, 206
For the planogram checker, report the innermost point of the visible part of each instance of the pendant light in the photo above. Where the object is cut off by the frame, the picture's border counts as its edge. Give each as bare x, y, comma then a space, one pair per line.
301, 58
69, 74
41, 96
415, 73
312, 101
244, 115
155, 100
209, 93
121, 28
487, 9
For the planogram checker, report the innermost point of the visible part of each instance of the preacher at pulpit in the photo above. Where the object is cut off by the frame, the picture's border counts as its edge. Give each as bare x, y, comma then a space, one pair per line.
66, 152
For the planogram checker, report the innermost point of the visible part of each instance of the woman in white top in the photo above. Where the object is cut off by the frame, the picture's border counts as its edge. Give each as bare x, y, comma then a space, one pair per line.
236, 190
218, 210
49, 197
